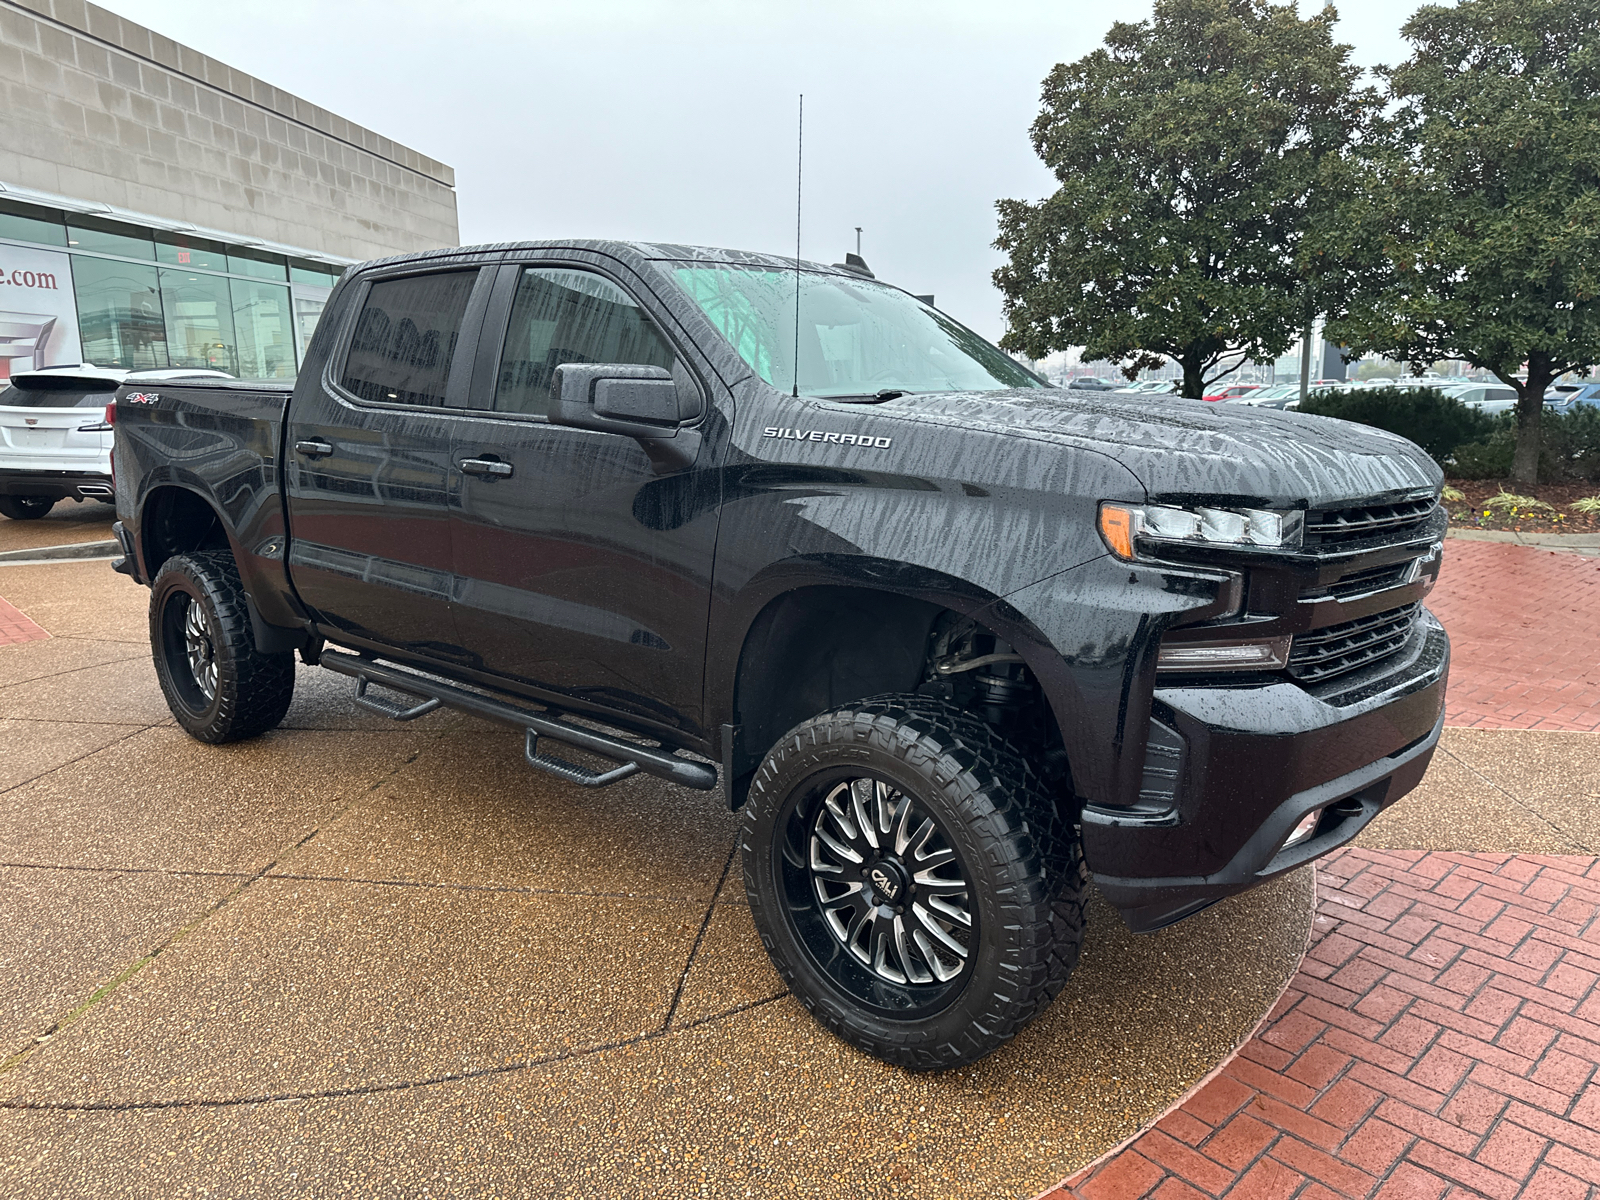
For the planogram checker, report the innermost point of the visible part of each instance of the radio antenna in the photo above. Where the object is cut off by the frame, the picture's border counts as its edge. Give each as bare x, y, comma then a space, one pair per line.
799, 175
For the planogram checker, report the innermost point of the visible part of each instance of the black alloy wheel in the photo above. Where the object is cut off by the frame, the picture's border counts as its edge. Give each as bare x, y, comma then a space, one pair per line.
877, 894
911, 879
217, 684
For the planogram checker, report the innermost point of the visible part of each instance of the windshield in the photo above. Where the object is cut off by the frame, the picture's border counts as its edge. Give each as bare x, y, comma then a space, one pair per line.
856, 338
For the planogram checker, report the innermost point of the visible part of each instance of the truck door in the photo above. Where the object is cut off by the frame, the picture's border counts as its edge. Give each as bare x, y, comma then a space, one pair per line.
369, 474
584, 574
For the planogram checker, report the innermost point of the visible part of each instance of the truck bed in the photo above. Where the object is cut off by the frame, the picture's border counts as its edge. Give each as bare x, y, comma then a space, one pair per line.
216, 440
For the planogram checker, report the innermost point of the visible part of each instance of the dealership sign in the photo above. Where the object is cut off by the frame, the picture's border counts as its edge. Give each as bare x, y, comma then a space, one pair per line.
38, 314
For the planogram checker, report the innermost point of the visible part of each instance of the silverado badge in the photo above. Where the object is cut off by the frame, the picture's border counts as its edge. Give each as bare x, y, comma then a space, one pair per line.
818, 435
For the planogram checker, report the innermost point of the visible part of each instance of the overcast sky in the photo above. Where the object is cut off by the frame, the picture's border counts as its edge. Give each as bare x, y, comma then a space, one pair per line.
674, 120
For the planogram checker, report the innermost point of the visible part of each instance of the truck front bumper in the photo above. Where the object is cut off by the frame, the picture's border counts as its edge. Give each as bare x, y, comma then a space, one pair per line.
1256, 761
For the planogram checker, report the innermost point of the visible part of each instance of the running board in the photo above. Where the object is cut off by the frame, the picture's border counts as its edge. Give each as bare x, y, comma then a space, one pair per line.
432, 693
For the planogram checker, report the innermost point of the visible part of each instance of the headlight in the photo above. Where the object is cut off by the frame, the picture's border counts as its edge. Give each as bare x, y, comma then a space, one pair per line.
1124, 524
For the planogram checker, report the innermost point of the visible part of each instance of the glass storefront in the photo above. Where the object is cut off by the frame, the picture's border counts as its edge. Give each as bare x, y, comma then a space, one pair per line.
118, 294
262, 323
119, 313
199, 321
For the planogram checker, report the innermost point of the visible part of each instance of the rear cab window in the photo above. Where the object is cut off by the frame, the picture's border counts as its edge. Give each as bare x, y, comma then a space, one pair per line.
405, 338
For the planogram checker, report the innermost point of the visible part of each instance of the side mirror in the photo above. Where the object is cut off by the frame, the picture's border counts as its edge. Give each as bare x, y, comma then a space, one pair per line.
645, 403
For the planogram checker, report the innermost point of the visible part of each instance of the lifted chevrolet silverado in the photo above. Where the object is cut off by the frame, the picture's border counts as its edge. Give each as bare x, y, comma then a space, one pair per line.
945, 633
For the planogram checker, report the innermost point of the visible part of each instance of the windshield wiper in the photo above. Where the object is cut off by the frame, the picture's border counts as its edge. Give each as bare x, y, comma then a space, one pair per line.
877, 397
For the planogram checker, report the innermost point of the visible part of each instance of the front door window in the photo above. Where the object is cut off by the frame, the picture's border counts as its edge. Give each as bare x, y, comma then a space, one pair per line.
562, 316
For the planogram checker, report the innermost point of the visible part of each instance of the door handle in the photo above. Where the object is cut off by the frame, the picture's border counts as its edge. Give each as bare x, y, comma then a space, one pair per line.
313, 448
488, 468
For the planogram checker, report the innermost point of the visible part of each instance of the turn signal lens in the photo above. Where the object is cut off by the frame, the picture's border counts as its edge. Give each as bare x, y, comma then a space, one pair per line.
1117, 527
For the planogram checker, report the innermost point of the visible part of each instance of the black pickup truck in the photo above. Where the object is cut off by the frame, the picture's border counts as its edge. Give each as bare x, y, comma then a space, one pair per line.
946, 633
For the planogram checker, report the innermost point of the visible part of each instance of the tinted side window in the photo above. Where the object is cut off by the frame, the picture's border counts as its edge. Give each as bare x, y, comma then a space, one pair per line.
562, 316
406, 337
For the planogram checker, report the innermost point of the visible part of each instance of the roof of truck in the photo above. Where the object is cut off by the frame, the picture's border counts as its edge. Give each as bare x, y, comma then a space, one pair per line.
635, 252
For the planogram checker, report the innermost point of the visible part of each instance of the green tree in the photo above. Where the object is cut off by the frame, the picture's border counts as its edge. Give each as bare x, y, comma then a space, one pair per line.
1479, 214
1193, 153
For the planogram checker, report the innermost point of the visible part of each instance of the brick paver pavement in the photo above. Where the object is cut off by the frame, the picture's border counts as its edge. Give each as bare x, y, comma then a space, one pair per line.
16, 626
1440, 1040
1525, 635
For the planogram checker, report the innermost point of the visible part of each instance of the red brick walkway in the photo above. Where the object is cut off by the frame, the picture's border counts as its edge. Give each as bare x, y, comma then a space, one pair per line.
1440, 1040
1525, 634
16, 627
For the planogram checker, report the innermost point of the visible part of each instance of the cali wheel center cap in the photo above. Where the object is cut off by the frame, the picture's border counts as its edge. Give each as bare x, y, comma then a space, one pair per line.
889, 882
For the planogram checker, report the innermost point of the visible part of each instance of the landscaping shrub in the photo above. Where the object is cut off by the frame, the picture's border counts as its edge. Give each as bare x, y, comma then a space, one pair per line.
1436, 422
1486, 459
1569, 449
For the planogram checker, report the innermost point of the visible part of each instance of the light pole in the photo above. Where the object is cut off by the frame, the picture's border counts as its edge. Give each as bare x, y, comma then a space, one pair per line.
1305, 351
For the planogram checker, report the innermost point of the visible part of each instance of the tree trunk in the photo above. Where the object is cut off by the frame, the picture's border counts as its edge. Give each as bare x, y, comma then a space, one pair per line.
1530, 408
1194, 381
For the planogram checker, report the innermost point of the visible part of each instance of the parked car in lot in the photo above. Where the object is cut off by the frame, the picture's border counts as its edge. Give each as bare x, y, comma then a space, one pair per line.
1498, 398
1278, 395
1583, 395
1091, 383
54, 439
1232, 391
943, 632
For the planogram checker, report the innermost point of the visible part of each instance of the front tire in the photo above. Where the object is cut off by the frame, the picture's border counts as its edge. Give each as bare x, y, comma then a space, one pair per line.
26, 508
217, 684
912, 880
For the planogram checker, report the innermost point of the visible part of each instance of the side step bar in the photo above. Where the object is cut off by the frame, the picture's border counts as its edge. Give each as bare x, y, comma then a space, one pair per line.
432, 692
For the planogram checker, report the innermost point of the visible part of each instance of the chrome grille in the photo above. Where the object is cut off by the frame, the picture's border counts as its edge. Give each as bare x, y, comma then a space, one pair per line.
1324, 526
1323, 653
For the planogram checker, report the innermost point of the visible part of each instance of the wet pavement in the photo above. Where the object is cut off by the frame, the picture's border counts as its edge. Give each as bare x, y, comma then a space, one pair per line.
67, 523
355, 957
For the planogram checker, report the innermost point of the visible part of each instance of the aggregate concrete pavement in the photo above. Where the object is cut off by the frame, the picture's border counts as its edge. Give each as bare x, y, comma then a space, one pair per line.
359, 958
65, 524
355, 957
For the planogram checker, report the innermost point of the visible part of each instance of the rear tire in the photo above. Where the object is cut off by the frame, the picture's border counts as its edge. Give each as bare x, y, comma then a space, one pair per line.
217, 684
912, 880
26, 508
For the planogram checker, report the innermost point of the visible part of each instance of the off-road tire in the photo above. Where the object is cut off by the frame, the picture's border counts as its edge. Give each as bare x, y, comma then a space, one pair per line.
252, 690
1023, 861
26, 508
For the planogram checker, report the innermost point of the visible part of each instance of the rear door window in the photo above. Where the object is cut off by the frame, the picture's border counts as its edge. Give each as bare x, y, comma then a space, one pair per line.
405, 338
564, 316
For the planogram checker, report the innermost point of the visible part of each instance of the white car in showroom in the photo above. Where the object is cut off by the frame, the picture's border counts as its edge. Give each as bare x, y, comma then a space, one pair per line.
54, 439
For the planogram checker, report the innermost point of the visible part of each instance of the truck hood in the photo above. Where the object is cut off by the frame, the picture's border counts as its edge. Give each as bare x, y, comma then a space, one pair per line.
1177, 447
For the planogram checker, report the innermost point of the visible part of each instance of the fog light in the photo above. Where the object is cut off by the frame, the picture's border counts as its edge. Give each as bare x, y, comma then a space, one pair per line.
1268, 654
1306, 827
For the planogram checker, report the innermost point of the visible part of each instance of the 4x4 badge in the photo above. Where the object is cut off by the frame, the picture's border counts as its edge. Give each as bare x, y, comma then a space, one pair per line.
818, 435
